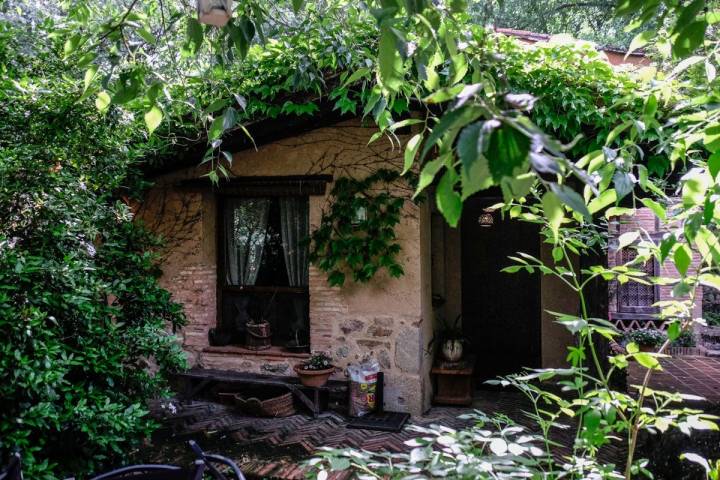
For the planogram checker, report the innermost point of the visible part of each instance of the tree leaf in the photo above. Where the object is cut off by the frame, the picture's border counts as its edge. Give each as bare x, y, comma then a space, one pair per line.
656, 208
627, 239
647, 360
411, 149
689, 39
572, 199
297, 5
448, 200
153, 117
102, 102
389, 60
682, 258
553, 211
640, 40
474, 170
507, 152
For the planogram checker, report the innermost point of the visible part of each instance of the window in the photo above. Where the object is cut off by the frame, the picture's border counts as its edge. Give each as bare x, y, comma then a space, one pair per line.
264, 265
633, 297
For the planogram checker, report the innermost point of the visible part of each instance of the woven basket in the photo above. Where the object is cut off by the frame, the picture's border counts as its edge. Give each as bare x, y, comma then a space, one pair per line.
281, 406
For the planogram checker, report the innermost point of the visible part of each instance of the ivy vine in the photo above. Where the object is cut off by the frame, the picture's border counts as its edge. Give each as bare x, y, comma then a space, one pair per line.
356, 235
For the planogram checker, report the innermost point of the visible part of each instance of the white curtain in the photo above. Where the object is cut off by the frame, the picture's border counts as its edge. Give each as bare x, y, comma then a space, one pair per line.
246, 222
294, 229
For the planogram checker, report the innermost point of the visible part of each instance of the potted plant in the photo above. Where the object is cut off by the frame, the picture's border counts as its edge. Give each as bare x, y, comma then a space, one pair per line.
450, 339
647, 339
316, 370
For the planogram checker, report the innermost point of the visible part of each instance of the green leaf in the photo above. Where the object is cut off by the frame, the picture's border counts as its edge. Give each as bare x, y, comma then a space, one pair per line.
449, 202
711, 137
451, 120
194, 36
682, 258
693, 190
553, 211
572, 199
428, 172
411, 150
90, 75
606, 198
627, 239
389, 60
356, 75
71, 44
153, 117
146, 35
102, 102
689, 39
673, 330
640, 40
647, 360
656, 208
714, 164
297, 5
507, 153
474, 170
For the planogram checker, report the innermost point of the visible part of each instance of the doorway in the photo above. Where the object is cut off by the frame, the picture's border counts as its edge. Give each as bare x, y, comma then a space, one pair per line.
501, 311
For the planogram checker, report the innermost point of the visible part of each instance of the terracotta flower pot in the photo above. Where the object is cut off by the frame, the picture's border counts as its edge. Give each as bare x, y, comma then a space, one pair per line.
452, 350
313, 378
647, 348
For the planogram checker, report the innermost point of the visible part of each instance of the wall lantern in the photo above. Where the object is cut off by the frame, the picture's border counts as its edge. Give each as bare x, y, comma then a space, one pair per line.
486, 218
359, 216
214, 12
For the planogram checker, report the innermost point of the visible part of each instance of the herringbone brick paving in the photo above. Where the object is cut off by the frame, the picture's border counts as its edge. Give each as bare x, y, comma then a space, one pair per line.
298, 436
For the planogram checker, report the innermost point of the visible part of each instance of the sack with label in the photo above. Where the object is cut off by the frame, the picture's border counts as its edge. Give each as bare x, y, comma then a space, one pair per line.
363, 385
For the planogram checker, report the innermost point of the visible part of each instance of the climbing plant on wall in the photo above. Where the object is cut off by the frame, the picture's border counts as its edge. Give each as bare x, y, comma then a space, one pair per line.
357, 235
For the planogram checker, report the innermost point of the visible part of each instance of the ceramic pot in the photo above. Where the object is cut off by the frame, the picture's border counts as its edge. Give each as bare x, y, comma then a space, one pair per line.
313, 378
452, 350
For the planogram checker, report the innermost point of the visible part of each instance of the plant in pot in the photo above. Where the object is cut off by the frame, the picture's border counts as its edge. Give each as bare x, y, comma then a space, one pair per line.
450, 340
316, 370
647, 339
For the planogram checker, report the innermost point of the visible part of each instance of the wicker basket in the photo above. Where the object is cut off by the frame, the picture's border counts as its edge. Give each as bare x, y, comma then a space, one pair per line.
281, 406
257, 336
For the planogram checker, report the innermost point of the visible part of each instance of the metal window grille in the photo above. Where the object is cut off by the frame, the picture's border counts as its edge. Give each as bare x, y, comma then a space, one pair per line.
634, 297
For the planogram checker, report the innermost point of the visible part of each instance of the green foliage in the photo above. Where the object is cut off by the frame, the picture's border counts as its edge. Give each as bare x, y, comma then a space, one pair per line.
647, 337
712, 318
317, 361
357, 235
83, 319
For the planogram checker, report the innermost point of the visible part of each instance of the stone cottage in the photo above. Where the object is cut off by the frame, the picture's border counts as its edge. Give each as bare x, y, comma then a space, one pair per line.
235, 251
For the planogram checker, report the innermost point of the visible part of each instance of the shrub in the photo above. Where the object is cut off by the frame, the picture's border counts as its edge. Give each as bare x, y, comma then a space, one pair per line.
646, 337
712, 318
82, 317
686, 339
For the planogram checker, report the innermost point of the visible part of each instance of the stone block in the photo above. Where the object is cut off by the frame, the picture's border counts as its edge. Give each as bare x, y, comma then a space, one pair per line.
408, 351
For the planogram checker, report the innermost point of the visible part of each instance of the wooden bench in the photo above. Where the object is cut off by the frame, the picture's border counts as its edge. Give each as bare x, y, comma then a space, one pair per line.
198, 380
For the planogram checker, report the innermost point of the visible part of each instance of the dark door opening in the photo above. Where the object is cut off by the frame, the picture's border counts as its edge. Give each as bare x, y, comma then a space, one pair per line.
501, 311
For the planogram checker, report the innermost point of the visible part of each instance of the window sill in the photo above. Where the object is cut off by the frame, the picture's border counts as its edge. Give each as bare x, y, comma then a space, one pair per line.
274, 351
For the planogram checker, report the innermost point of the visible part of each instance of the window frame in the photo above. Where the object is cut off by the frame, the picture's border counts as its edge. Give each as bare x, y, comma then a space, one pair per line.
637, 312
275, 189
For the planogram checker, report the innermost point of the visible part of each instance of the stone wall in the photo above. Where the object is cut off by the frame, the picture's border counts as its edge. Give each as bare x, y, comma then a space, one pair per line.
387, 318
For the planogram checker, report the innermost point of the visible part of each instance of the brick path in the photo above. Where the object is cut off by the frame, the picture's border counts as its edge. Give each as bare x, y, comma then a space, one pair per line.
271, 447
693, 375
